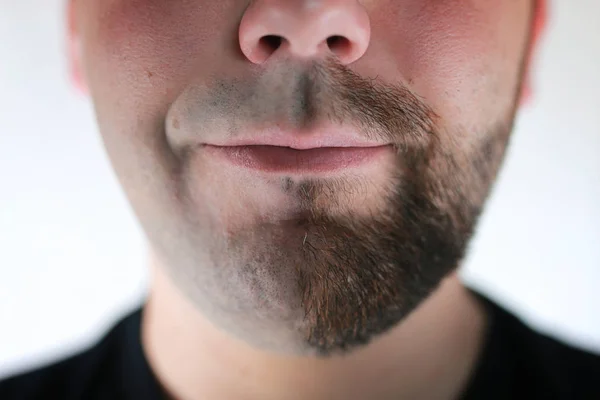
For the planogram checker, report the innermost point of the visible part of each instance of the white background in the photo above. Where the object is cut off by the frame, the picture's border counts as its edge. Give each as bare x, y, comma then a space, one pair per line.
72, 255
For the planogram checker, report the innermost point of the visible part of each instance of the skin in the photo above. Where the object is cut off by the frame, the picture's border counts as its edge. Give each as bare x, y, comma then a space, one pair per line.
308, 286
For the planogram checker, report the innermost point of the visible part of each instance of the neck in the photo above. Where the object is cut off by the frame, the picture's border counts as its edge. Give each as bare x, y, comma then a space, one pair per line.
430, 354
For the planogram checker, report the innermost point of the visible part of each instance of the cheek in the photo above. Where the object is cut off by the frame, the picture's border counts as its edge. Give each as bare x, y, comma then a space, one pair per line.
462, 56
150, 50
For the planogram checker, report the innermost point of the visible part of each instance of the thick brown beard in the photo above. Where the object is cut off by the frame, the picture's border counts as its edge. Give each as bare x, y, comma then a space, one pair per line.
360, 277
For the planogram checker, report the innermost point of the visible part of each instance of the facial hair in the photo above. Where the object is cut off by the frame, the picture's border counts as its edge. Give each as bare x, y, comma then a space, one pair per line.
352, 275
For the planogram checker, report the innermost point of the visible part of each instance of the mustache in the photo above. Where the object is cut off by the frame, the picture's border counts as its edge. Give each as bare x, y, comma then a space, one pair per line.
299, 96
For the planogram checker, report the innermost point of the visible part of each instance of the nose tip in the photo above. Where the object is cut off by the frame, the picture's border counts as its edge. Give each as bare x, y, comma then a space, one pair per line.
305, 28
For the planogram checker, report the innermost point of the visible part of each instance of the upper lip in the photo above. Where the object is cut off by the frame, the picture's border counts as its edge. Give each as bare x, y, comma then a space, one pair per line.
324, 137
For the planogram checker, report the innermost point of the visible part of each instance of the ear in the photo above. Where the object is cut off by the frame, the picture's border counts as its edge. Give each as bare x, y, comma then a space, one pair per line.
74, 49
539, 21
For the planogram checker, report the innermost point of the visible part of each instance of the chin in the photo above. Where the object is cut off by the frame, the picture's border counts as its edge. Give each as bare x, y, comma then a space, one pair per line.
325, 280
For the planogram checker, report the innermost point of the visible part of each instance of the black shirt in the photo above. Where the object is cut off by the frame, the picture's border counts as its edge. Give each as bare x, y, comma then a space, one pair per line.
516, 363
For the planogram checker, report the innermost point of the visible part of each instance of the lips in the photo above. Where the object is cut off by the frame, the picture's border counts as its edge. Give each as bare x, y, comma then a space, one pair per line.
273, 159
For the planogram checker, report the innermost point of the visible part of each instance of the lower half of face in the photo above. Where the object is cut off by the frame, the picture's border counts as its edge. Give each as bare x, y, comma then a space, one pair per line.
306, 205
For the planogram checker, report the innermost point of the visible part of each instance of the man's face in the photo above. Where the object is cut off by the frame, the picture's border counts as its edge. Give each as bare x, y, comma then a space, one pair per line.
209, 110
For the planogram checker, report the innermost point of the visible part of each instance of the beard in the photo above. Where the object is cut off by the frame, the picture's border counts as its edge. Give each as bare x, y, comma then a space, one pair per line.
334, 275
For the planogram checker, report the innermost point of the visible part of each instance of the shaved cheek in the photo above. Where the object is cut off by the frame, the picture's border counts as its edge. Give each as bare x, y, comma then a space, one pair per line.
174, 41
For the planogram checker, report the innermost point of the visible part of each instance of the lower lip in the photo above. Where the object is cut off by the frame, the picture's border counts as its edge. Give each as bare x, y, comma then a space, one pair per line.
288, 160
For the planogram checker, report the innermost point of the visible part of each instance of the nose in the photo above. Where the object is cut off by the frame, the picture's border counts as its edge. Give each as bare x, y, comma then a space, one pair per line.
305, 28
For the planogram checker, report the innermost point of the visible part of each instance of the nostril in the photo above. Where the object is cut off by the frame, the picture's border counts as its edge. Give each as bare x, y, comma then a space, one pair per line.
271, 42
338, 44
304, 29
